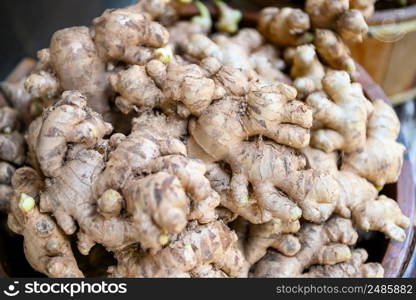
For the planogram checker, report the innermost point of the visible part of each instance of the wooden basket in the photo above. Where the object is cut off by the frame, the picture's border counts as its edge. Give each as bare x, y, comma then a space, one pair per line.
398, 259
388, 52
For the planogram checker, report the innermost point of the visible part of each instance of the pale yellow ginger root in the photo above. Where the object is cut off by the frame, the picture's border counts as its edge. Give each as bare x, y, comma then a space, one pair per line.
271, 169
160, 86
143, 95
147, 175
359, 199
269, 110
342, 111
337, 15
355, 267
151, 137
381, 159
366, 7
71, 63
20, 100
70, 189
6, 191
191, 86
252, 211
13, 93
285, 27
197, 246
245, 51
68, 121
47, 248
180, 32
220, 132
307, 70
11, 141
157, 9
207, 271
333, 51
176, 88
268, 65
274, 234
204, 19
74, 58
129, 35
326, 244
352, 26
42, 83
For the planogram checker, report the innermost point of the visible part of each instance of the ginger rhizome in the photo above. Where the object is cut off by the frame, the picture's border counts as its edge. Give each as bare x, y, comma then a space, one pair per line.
12, 153
11, 141
211, 246
6, 191
341, 110
129, 35
220, 133
333, 51
86, 72
337, 15
381, 159
47, 248
326, 244
307, 70
285, 26
359, 199
175, 151
146, 174
246, 51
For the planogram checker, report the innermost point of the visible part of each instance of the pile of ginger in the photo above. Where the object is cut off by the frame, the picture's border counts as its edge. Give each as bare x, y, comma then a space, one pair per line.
193, 148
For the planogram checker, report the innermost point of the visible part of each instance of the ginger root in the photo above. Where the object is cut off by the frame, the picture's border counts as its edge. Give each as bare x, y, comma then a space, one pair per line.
307, 70
129, 35
147, 175
333, 51
342, 111
68, 121
359, 199
275, 234
381, 159
196, 247
246, 51
355, 267
229, 18
285, 26
47, 248
6, 191
11, 141
326, 244
86, 71
336, 15
366, 7
213, 162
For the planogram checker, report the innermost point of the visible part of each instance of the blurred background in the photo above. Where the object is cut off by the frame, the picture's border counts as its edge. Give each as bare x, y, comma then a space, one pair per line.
27, 25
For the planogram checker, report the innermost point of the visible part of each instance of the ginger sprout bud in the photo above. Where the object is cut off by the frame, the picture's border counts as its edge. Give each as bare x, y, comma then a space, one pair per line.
7, 130
204, 18
26, 203
110, 204
245, 200
165, 55
164, 239
229, 18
